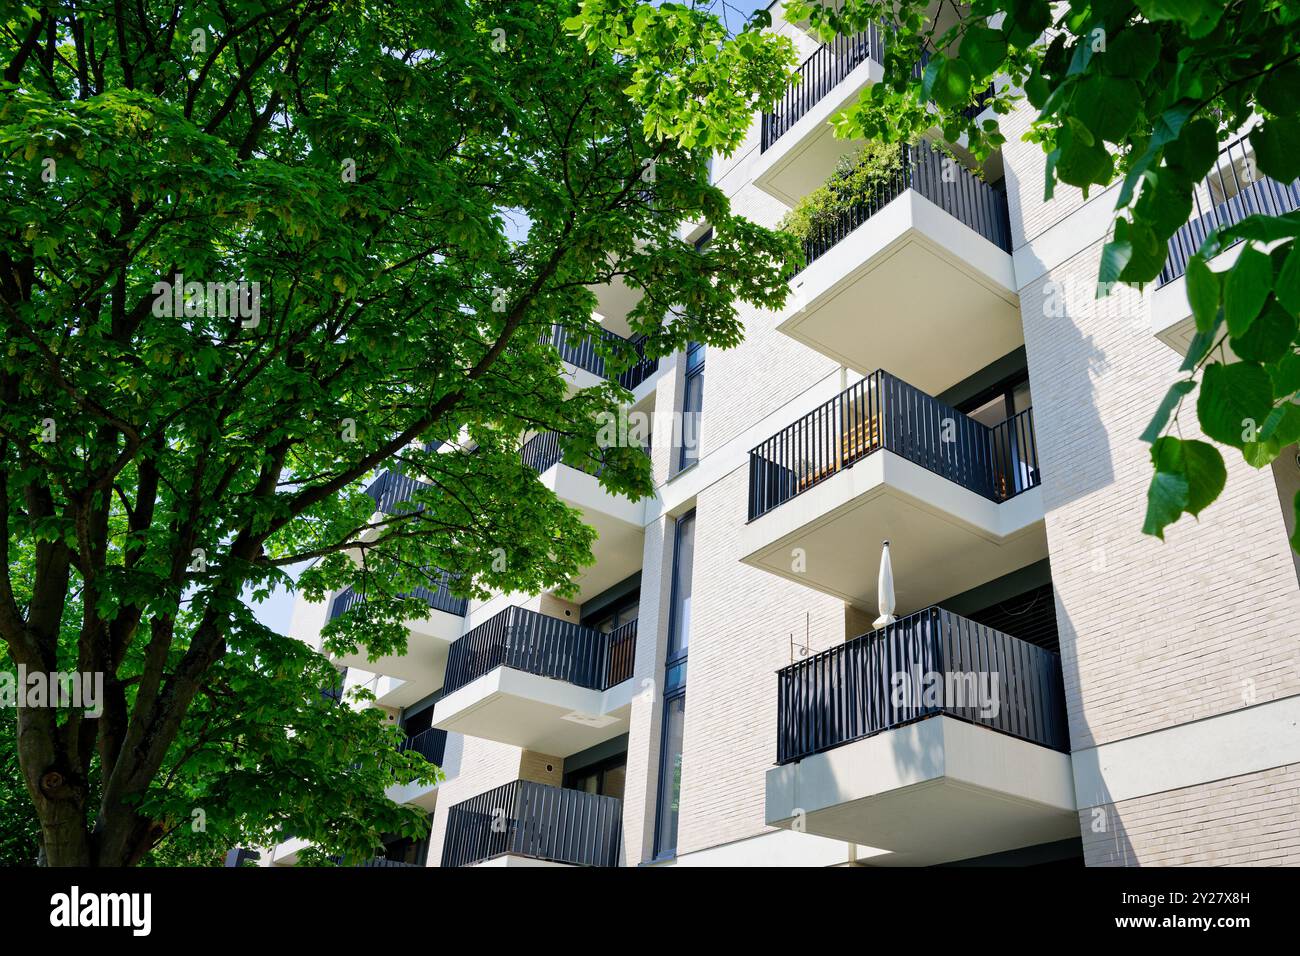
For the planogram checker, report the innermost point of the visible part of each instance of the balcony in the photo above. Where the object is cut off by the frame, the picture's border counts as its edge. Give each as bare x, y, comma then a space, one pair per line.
924, 260
957, 499
931, 739
618, 522
582, 353
530, 824
539, 682
393, 489
430, 744
1232, 191
797, 147
427, 641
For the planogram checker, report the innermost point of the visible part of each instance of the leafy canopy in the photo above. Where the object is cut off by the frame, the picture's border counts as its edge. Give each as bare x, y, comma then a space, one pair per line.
420, 193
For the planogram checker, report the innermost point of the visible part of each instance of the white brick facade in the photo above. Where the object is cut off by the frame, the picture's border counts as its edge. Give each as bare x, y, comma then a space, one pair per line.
1152, 635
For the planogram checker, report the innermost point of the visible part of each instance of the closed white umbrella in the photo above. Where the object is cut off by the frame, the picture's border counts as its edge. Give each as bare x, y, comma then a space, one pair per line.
885, 589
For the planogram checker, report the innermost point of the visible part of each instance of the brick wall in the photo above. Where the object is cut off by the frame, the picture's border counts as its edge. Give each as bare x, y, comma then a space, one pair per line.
742, 620
1243, 821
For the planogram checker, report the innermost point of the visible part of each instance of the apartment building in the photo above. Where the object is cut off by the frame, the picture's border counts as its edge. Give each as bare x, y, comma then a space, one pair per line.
943, 378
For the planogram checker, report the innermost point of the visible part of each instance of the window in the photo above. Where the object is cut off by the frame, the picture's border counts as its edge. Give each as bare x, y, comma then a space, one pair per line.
605, 778
692, 405
611, 618
679, 639
693, 390
670, 777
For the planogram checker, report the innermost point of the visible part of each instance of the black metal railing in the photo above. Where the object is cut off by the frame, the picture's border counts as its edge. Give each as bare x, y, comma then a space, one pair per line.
384, 863
522, 818
621, 656
391, 489
582, 350
878, 681
884, 412
818, 75
540, 644
1232, 191
949, 185
438, 597
542, 452
430, 744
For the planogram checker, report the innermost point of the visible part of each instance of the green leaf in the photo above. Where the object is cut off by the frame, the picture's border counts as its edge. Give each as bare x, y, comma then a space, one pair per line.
1115, 256
1107, 105
1234, 401
953, 86
1279, 92
1172, 397
1193, 153
1260, 454
983, 50
1269, 337
1168, 494
1285, 375
931, 75
1049, 174
1282, 425
1206, 475
1133, 52
1164, 203
1081, 164
1295, 510
1246, 288
1185, 11
1262, 228
1277, 148
1201, 344
1189, 476
1037, 89
1287, 285
1149, 253
1203, 289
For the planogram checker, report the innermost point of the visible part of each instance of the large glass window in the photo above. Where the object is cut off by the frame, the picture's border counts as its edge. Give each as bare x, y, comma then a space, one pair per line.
611, 618
679, 624
692, 405
674, 720
670, 777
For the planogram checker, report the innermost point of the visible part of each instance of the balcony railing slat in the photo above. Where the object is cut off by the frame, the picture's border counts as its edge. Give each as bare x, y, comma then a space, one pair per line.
581, 350
439, 598
1250, 196
537, 821
848, 692
820, 73
547, 646
881, 411
430, 744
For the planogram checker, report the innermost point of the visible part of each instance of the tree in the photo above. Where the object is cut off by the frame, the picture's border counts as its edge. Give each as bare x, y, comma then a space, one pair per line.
1141, 93
251, 254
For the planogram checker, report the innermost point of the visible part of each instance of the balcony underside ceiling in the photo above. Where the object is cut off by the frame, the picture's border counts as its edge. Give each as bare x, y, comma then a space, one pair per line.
425, 660
805, 155
911, 291
932, 792
536, 713
943, 538
616, 520
614, 300
512, 860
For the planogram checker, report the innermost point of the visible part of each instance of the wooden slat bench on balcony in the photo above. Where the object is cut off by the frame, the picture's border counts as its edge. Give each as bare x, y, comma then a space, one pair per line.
855, 442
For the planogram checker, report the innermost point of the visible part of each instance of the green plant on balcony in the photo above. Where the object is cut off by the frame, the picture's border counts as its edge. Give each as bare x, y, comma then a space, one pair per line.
856, 178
